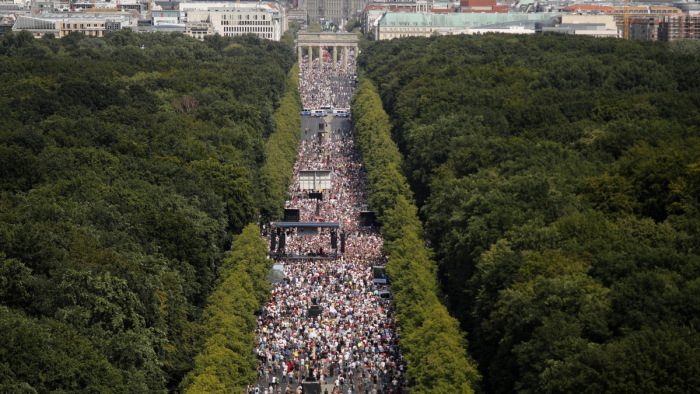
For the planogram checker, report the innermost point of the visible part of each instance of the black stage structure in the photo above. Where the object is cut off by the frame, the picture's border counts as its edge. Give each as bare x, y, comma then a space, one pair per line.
278, 240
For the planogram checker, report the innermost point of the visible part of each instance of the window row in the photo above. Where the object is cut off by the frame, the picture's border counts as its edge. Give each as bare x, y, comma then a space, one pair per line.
240, 17
80, 25
246, 23
95, 33
261, 35
238, 29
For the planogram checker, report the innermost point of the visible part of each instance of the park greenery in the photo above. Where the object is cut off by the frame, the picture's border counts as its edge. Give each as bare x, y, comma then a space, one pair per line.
539, 196
281, 151
558, 180
432, 343
225, 362
127, 166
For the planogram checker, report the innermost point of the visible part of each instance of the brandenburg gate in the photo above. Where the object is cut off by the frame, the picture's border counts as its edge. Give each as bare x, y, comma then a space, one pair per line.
334, 40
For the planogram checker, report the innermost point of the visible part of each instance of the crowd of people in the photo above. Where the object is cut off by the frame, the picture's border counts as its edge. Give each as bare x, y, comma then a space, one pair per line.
325, 322
348, 193
322, 86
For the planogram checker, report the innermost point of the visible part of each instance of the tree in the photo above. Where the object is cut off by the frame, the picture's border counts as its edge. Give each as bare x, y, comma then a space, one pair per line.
664, 360
313, 27
611, 194
434, 346
352, 24
554, 176
438, 353
46, 355
226, 361
133, 202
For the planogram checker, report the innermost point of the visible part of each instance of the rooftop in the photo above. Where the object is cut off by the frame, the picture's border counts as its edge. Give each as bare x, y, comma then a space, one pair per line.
79, 17
459, 19
228, 6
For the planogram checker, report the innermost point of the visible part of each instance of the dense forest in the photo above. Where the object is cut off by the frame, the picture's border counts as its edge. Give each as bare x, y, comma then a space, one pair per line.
127, 165
558, 179
431, 342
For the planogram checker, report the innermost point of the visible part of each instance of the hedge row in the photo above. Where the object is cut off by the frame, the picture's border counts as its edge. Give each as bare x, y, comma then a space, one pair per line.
432, 343
227, 332
281, 151
226, 362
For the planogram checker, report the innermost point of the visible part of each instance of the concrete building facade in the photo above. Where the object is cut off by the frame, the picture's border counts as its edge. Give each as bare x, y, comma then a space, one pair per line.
337, 10
60, 25
674, 27
330, 41
665, 27
481, 6
645, 29
266, 20
199, 30
585, 25
405, 24
373, 11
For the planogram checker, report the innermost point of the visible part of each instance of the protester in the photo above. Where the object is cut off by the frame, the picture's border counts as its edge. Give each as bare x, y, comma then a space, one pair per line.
322, 86
352, 344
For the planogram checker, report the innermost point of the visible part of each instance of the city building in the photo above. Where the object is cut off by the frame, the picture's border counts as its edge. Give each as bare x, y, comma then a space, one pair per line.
688, 8
93, 25
339, 11
199, 30
646, 29
665, 27
6, 23
674, 27
405, 24
647, 10
373, 11
589, 9
512, 29
161, 28
139, 6
481, 6
586, 25
165, 17
266, 20
17, 3
636, 15
528, 6
298, 15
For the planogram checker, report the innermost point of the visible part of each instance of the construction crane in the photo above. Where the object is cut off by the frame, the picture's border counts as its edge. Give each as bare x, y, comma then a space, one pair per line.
626, 21
626, 18
150, 7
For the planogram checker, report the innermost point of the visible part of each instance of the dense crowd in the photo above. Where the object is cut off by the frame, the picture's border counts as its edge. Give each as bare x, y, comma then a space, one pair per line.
348, 193
322, 86
326, 322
